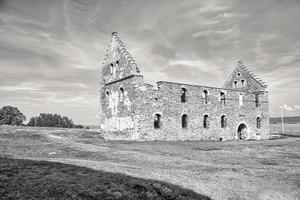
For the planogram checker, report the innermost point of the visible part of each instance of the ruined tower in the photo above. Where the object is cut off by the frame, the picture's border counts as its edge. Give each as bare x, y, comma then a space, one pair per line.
134, 110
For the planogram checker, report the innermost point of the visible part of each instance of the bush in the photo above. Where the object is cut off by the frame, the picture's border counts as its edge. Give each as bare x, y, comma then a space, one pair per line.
79, 126
51, 120
11, 116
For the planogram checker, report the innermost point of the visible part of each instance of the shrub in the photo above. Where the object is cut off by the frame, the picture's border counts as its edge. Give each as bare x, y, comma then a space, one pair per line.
51, 120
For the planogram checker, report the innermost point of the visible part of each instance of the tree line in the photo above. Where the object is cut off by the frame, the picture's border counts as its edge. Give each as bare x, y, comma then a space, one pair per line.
12, 116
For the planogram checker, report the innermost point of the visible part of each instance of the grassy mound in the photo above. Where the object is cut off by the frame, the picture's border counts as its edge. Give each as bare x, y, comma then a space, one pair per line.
27, 179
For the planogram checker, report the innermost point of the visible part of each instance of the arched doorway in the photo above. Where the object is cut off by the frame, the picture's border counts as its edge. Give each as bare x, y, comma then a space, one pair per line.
242, 132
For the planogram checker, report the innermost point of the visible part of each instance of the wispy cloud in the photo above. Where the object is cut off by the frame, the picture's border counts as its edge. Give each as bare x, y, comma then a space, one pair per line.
51, 51
290, 108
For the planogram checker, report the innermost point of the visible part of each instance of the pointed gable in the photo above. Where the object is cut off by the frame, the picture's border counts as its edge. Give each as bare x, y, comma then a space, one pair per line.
243, 79
118, 62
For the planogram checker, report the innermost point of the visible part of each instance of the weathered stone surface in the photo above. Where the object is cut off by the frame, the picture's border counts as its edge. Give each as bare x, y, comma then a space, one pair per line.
130, 107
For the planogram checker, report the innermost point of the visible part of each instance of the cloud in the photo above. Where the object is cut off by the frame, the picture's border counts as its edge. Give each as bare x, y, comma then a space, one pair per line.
24, 86
51, 51
290, 108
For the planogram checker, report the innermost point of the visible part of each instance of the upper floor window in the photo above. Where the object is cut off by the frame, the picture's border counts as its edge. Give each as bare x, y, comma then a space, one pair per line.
235, 84
205, 96
256, 100
107, 93
111, 68
223, 121
258, 122
222, 97
122, 90
243, 83
183, 95
206, 121
184, 122
157, 121
241, 99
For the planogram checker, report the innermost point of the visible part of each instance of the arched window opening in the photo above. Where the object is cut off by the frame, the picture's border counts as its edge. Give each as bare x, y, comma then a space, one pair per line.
238, 74
111, 68
183, 95
117, 62
222, 98
157, 121
205, 95
223, 121
258, 122
243, 83
184, 122
122, 90
206, 122
235, 84
256, 100
241, 99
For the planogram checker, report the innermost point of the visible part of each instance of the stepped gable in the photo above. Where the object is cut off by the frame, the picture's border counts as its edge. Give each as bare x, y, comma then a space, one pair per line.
242, 78
252, 74
117, 51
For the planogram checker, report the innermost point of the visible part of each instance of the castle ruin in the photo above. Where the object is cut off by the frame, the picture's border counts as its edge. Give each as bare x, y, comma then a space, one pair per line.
134, 110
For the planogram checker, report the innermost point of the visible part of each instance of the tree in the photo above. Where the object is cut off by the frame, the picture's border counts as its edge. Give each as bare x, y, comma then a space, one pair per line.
51, 120
32, 121
11, 116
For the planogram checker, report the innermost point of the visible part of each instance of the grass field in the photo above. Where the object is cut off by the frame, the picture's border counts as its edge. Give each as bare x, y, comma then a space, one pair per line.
290, 129
220, 170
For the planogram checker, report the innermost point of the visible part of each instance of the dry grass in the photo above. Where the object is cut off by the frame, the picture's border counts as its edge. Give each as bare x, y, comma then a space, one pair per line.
221, 170
27, 179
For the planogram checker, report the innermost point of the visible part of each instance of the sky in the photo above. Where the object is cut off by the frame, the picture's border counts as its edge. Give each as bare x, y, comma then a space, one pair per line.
51, 52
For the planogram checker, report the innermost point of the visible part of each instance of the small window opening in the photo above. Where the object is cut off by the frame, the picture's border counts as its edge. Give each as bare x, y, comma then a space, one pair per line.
220, 139
157, 121
206, 122
235, 84
222, 98
184, 122
107, 93
243, 83
256, 100
205, 94
122, 90
223, 121
117, 62
258, 122
238, 74
111, 68
183, 94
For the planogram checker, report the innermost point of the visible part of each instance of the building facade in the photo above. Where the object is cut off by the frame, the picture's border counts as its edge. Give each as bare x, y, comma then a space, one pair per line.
134, 110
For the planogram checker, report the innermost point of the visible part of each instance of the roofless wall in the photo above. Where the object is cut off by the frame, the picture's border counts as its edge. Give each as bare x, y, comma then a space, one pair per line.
134, 110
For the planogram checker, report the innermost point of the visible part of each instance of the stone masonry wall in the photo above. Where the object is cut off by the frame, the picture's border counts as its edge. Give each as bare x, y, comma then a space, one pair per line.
131, 115
167, 102
129, 107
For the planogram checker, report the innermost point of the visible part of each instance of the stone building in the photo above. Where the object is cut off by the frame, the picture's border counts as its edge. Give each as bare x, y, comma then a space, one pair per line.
134, 110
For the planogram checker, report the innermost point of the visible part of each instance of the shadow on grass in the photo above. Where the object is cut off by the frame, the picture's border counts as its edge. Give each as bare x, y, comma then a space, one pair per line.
28, 179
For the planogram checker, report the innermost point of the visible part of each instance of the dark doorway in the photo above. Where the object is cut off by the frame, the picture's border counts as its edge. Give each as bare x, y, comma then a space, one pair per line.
242, 132
157, 122
184, 121
183, 94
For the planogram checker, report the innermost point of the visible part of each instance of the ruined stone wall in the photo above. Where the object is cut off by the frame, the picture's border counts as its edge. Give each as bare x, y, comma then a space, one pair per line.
130, 114
117, 106
129, 106
167, 102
